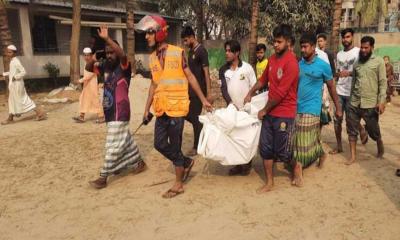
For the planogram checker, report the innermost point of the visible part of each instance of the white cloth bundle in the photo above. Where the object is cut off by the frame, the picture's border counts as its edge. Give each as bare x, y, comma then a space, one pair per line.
230, 136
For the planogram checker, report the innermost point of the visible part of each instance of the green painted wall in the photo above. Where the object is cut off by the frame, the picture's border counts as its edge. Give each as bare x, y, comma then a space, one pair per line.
392, 51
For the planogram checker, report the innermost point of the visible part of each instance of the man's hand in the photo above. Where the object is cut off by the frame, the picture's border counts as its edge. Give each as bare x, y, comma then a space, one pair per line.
207, 106
339, 114
145, 116
210, 99
380, 108
103, 32
247, 99
261, 114
344, 73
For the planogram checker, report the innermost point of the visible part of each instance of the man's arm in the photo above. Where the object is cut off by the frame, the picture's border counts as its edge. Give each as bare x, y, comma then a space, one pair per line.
103, 33
149, 101
196, 88
260, 83
208, 82
382, 86
224, 86
21, 70
206, 69
335, 98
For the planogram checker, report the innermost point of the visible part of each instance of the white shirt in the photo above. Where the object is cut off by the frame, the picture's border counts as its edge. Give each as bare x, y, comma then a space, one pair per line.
346, 61
17, 71
321, 54
239, 82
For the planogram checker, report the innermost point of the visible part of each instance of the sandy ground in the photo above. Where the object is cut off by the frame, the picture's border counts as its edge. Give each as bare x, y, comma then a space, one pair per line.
44, 193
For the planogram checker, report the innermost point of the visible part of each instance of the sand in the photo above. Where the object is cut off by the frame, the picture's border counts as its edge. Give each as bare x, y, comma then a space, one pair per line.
45, 168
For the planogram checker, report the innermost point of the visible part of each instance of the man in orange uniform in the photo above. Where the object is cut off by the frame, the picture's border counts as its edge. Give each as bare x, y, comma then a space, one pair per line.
168, 94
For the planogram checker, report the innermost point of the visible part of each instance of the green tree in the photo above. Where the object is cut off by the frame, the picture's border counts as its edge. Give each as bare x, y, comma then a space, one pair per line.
369, 11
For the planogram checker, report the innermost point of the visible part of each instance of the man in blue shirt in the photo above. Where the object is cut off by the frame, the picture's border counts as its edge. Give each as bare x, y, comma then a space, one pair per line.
314, 72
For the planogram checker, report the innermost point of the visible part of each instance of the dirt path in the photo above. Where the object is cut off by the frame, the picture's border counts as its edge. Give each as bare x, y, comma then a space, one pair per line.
45, 167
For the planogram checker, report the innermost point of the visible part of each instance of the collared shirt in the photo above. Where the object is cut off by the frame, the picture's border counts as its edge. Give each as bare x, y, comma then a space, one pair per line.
370, 83
197, 61
236, 83
282, 74
312, 77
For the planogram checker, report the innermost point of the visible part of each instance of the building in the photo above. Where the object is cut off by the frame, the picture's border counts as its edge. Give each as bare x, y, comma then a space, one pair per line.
41, 30
391, 23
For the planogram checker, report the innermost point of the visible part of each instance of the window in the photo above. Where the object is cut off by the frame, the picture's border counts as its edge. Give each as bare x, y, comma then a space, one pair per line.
342, 15
44, 35
387, 25
351, 15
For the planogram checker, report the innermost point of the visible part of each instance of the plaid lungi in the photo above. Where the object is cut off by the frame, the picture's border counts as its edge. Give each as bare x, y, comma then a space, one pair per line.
121, 150
307, 146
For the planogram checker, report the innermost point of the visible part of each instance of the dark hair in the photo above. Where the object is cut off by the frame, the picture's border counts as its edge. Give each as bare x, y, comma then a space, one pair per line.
322, 35
368, 39
261, 46
347, 30
308, 38
187, 31
284, 31
233, 44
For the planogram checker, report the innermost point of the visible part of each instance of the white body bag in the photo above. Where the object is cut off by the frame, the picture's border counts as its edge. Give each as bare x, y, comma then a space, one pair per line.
230, 136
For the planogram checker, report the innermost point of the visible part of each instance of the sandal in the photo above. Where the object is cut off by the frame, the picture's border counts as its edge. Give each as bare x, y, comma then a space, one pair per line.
100, 120
187, 171
172, 193
78, 119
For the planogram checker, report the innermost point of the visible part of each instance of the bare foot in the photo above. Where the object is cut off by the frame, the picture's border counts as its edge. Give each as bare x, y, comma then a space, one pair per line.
322, 160
336, 151
350, 162
7, 121
266, 188
298, 176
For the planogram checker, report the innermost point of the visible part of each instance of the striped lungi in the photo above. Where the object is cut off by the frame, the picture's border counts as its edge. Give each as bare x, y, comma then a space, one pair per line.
121, 150
307, 146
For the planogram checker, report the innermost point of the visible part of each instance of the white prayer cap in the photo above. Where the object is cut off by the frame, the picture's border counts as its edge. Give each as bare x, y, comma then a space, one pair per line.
12, 47
87, 50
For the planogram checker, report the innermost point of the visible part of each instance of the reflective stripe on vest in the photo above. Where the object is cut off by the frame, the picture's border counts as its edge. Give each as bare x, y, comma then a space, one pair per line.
171, 94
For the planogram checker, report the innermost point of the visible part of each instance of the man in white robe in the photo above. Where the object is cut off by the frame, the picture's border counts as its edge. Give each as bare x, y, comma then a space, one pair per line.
18, 100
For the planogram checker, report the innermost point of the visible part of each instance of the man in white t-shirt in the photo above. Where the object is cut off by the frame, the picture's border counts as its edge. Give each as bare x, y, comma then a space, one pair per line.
346, 59
237, 78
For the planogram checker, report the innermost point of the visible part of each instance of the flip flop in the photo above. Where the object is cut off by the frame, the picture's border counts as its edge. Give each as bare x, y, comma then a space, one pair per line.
172, 193
187, 171
100, 121
78, 120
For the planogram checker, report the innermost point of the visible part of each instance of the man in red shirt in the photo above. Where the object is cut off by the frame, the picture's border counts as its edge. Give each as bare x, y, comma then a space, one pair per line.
279, 113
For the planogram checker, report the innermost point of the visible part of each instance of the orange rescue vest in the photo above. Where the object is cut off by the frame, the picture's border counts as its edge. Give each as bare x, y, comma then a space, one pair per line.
171, 94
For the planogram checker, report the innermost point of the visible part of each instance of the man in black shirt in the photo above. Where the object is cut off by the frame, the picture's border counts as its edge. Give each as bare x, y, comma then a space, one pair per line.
198, 64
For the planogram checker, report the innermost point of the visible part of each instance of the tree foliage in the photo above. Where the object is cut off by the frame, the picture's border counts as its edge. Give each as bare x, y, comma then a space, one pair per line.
368, 11
231, 18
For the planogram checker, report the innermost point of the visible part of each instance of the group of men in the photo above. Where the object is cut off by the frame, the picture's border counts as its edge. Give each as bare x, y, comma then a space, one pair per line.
291, 128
